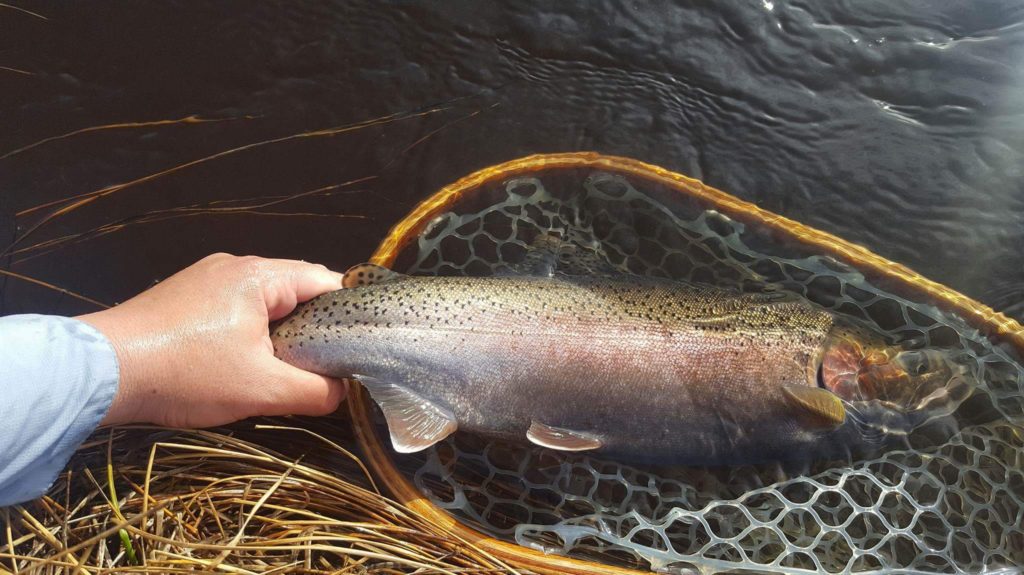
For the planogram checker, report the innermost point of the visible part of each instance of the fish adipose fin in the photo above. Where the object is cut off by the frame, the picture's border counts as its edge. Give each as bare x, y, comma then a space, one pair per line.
561, 439
413, 421
368, 274
818, 408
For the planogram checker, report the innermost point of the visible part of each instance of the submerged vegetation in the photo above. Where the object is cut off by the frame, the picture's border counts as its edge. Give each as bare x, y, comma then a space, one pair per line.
287, 496
290, 496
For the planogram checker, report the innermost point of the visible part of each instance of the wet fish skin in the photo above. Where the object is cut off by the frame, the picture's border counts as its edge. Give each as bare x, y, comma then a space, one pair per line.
658, 370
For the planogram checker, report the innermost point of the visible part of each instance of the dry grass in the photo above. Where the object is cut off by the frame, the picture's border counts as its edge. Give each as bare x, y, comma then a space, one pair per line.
287, 497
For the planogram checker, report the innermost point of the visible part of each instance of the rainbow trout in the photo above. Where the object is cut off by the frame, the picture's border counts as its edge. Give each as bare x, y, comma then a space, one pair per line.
635, 367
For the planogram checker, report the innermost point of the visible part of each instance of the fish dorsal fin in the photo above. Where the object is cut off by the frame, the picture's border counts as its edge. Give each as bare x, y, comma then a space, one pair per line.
768, 297
541, 257
415, 423
561, 439
548, 255
818, 408
368, 274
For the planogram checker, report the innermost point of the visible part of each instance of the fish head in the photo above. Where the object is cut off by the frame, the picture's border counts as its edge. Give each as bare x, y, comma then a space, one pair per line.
859, 366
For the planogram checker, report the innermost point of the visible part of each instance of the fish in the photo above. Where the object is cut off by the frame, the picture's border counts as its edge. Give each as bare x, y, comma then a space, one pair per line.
631, 367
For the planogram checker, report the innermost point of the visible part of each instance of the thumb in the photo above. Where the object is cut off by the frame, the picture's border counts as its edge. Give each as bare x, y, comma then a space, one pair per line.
295, 282
304, 393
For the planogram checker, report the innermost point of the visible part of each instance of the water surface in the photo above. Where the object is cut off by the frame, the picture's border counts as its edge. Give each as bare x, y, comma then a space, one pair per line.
888, 124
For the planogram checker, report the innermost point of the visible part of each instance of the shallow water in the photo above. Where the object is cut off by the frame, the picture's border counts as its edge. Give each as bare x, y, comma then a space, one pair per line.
888, 125
894, 127
924, 502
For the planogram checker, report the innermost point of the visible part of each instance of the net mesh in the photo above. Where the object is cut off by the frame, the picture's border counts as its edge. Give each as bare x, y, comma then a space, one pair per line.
950, 503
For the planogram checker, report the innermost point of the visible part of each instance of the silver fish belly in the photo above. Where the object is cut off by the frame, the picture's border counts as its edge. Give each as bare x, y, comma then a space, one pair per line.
639, 368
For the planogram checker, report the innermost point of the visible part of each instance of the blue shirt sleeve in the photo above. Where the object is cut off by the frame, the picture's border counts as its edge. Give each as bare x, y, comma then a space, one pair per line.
58, 377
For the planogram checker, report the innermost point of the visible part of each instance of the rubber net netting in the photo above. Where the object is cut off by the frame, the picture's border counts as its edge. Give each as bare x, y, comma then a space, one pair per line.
947, 503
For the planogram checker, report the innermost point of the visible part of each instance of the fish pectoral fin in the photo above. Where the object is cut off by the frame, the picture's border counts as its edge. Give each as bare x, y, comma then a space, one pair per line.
818, 408
561, 439
368, 274
414, 422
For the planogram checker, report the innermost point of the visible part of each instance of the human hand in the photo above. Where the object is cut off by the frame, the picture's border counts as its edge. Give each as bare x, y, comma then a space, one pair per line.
195, 350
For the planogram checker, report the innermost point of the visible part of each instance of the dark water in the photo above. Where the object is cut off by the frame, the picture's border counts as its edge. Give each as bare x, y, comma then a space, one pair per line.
896, 125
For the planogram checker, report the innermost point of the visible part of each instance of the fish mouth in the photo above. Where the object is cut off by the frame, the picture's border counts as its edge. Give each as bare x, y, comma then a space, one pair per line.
901, 378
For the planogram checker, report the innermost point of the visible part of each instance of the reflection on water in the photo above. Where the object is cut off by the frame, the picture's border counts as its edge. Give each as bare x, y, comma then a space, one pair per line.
892, 127
154, 134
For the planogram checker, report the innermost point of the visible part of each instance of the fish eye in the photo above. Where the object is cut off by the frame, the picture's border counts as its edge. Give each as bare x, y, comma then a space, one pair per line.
912, 362
917, 362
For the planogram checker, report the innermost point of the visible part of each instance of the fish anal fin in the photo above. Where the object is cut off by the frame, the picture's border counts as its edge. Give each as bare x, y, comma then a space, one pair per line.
414, 422
817, 408
561, 439
368, 274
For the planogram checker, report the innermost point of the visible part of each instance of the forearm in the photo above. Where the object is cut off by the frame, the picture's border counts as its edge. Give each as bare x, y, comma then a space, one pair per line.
58, 378
193, 351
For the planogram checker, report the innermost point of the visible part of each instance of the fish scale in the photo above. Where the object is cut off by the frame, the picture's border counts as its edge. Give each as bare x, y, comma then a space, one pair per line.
640, 368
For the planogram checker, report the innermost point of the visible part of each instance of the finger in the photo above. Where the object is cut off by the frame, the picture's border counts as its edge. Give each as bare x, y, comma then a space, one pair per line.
300, 392
293, 282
